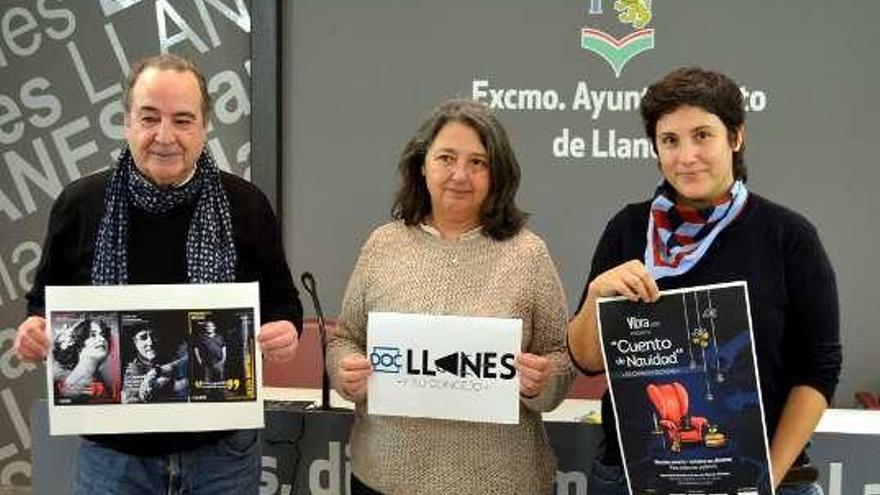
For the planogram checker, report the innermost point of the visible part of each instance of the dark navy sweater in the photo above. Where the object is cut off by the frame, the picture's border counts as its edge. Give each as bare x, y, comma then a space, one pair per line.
157, 255
792, 295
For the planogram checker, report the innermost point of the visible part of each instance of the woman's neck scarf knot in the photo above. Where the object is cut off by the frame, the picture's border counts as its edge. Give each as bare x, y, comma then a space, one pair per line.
679, 235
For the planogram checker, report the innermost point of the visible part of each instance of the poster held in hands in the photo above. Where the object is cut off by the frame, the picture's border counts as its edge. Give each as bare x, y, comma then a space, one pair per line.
684, 385
153, 358
444, 367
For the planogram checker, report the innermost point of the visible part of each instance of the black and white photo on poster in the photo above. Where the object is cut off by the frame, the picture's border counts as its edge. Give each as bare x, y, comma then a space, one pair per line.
684, 386
85, 357
155, 353
222, 355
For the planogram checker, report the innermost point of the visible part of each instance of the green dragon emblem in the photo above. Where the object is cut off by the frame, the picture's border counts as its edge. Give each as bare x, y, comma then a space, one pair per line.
635, 12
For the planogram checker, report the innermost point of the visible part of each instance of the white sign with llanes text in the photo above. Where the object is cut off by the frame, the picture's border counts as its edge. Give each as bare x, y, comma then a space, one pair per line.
445, 367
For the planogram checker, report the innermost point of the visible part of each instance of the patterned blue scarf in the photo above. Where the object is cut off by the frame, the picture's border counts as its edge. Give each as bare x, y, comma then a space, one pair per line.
210, 251
679, 236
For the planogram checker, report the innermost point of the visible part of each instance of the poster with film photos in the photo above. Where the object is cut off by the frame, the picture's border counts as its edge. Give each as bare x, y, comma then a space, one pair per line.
153, 366
153, 356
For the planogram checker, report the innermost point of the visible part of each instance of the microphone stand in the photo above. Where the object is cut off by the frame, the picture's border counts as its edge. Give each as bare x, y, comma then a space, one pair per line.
308, 281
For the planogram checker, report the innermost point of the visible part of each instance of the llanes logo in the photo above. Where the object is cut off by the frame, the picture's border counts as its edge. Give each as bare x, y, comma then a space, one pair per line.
636, 14
483, 365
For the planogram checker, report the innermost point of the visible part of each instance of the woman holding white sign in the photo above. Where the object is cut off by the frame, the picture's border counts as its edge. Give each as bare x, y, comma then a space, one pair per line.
458, 246
705, 227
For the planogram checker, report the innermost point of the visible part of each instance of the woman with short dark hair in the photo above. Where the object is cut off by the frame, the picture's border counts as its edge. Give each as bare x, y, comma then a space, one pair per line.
457, 247
695, 119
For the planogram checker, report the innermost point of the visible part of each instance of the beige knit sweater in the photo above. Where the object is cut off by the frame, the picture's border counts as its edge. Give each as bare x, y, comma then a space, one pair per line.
406, 269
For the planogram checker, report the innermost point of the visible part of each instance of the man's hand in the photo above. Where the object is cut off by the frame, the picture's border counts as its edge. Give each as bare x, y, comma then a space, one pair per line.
148, 387
278, 340
31, 341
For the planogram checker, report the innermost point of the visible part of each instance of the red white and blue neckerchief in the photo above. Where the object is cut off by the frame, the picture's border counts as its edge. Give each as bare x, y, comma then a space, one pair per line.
679, 236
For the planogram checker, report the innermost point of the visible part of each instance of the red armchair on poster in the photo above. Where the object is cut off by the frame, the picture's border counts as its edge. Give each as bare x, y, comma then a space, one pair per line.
670, 402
